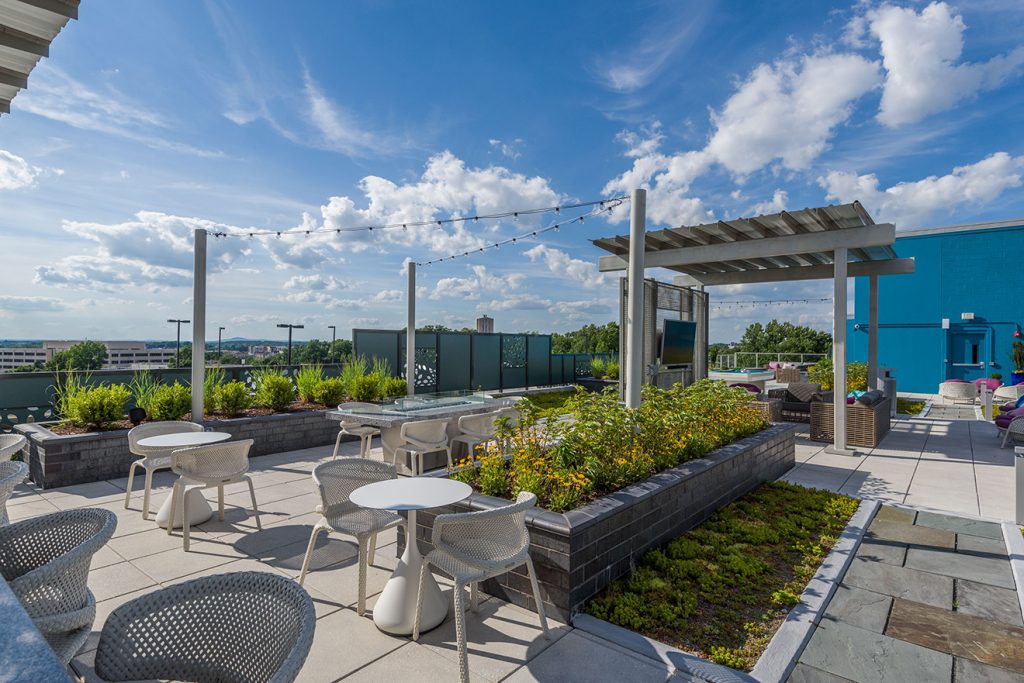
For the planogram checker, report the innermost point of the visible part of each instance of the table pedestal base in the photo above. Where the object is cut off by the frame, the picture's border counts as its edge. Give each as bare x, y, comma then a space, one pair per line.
199, 510
395, 609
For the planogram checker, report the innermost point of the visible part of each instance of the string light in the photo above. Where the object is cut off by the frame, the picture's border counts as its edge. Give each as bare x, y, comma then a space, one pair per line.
754, 303
614, 201
599, 207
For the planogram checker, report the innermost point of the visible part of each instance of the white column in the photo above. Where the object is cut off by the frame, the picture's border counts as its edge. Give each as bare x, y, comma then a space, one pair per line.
410, 332
635, 301
839, 350
873, 332
198, 324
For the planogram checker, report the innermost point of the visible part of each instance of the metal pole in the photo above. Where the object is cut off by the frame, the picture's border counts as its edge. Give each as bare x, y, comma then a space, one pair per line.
289, 345
198, 325
635, 301
873, 382
334, 337
410, 332
219, 352
839, 351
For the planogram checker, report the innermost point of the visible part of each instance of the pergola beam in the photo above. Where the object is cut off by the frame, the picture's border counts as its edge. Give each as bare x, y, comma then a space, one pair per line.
878, 235
896, 266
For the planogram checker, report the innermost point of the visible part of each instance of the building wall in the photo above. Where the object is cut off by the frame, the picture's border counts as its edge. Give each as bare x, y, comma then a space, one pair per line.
957, 271
119, 354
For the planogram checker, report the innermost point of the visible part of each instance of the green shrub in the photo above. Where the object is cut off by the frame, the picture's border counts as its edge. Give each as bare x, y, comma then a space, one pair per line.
307, 379
856, 375
352, 370
365, 388
213, 378
170, 402
612, 370
96, 406
598, 367
1017, 355
392, 387
274, 390
329, 392
143, 384
232, 398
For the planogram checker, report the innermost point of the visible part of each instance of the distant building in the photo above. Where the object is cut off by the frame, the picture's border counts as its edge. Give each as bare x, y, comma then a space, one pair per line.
485, 324
956, 316
120, 354
263, 351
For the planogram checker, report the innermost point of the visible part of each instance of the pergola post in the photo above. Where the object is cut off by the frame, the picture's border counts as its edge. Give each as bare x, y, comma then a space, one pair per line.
635, 298
839, 352
410, 332
873, 332
198, 324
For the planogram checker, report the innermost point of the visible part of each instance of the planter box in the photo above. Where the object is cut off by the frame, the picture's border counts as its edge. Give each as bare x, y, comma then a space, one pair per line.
56, 460
580, 552
591, 384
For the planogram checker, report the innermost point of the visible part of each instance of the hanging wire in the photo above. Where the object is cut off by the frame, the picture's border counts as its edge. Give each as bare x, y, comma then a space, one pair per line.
606, 205
754, 303
602, 204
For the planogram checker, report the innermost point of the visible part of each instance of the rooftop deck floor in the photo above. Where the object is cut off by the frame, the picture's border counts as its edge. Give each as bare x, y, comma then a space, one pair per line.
938, 464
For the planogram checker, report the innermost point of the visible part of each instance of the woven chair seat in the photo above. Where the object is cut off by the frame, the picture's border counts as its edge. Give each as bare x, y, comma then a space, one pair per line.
11, 444
357, 521
465, 571
12, 473
242, 627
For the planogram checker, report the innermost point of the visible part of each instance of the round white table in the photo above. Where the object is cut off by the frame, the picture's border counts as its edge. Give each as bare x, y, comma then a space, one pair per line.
395, 609
198, 509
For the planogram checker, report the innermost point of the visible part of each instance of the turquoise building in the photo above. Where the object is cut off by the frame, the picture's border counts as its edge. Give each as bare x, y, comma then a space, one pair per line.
956, 316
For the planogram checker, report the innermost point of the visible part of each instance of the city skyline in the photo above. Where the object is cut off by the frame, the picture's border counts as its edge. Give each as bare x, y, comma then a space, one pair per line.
273, 117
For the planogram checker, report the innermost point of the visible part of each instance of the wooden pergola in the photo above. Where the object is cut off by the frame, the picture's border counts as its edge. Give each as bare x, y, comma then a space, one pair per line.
830, 242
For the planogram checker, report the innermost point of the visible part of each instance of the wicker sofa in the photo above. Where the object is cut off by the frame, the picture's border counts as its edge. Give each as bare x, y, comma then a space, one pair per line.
797, 398
866, 425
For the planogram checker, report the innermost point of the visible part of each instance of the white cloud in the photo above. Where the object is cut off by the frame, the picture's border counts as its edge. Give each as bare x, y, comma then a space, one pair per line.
516, 302
29, 304
920, 53
154, 250
315, 282
364, 322
471, 288
583, 310
338, 129
58, 96
560, 263
788, 110
323, 299
389, 296
774, 205
911, 204
508, 149
16, 173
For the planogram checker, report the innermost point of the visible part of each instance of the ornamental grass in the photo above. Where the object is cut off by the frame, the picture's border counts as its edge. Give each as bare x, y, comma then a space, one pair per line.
600, 445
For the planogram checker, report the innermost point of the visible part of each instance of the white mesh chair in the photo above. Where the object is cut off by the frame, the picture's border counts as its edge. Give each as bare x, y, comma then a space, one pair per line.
474, 546
12, 472
152, 459
355, 428
1006, 394
475, 430
420, 438
958, 392
242, 627
45, 560
336, 480
212, 466
1014, 431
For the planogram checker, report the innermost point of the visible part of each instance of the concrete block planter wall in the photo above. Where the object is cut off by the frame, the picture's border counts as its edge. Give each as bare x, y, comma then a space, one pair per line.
580, 552
56, 460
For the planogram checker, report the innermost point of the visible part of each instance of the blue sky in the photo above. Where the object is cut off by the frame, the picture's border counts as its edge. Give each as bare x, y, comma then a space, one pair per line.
151, 119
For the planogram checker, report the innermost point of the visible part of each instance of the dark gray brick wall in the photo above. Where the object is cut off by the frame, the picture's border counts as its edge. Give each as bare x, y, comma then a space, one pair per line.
56, 461
579, 553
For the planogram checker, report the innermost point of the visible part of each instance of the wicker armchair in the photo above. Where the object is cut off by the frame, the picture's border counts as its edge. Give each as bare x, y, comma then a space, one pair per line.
420, 438
12, 473
242, 627
45, 560
788, 375
474, 546
212, 466
796, 400
10, 444
152, 459
336, 480
866, 426
356, 428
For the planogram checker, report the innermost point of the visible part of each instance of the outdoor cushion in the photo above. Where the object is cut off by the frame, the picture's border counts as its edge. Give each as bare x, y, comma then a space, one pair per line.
850, 400
957, 381
802, 392
752, 388
989, 382
870, 398
773, 365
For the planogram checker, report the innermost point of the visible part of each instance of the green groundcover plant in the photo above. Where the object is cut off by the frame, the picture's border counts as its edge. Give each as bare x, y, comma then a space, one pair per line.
721, 590
605, 445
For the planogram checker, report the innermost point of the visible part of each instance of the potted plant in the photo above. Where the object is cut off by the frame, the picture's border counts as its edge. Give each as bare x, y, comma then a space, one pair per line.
1017, 356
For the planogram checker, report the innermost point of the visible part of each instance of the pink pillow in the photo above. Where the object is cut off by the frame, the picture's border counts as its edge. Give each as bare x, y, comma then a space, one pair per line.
850, 400
989, 382
1016, 412
957, 381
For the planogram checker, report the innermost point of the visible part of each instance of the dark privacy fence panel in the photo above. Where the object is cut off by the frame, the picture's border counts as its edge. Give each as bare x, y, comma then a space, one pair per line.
458, 361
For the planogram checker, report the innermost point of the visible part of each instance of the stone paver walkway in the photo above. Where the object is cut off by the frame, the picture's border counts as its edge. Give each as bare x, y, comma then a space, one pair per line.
928, 597
940, 464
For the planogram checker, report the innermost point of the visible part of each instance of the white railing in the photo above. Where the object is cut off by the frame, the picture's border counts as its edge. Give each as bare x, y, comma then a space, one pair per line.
760, 359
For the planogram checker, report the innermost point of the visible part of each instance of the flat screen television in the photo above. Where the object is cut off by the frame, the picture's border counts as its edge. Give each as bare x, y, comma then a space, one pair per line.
677, 341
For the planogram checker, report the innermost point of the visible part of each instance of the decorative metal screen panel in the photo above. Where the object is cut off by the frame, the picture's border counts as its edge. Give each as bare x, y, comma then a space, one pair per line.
513, 360
486, 361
